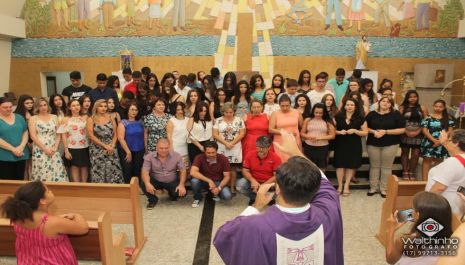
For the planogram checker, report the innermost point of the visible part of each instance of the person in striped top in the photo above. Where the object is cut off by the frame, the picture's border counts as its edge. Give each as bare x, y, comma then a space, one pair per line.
41, 238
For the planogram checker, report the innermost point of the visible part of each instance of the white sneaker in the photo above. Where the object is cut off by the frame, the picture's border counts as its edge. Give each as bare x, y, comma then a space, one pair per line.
195, 204
216, 198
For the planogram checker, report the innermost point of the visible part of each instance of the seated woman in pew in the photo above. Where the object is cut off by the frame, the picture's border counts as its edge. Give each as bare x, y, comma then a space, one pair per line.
416, 247
41, 238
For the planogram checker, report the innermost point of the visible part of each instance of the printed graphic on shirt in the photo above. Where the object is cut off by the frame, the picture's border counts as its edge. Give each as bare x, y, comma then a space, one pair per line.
307, 251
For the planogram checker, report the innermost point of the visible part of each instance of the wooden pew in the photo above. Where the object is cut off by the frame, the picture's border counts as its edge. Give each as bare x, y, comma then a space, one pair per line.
97, 244
120, 201
400, 197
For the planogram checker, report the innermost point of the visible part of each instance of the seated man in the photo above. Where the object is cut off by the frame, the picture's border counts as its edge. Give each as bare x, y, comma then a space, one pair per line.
446, 177
210, 170
160, 171
259, 167
304, 227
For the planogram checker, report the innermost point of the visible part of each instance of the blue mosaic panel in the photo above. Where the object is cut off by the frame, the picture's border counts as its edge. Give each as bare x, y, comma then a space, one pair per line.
381, 47
207, 46
111, 46
231, 41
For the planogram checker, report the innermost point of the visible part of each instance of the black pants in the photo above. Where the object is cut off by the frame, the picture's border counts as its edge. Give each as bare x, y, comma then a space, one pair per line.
133, 168
317, 154
193, 151
170, 187
12, 170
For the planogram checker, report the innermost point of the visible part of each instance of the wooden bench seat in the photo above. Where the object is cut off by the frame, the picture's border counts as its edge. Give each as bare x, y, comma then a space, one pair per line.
97, 244
400, 197
120, 201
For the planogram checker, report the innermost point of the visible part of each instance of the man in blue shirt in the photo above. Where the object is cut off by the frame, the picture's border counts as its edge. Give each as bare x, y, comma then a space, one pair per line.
102, 91
339, 85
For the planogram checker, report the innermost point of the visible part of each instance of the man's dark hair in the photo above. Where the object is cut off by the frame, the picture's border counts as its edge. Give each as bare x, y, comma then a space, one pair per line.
128, 95
340, 71
320, 76
101, 77
127, 71
146, 70
215, 72
299, 180
182, 79
191, 77
136, 74
292, 83
263, 141
357, 73
210, 144
75, 75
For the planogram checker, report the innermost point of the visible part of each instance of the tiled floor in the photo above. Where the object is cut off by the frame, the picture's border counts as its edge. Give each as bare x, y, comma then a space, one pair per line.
172, 229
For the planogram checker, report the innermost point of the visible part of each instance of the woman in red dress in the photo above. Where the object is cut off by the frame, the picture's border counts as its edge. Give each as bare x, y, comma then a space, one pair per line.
256, 125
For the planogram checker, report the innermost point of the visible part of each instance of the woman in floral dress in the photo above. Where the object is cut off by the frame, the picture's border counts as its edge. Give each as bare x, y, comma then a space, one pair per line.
105, 166
155, 125
47, 164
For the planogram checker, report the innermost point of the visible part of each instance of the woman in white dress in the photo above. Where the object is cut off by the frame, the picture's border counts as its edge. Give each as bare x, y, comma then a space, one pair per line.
228, 131
177, 132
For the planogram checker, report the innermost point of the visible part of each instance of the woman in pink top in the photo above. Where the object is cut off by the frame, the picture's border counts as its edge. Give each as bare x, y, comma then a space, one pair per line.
286, 118
41, 239
317, 130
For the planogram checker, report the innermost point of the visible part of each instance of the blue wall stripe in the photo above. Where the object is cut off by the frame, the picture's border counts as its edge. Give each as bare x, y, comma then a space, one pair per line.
207, 46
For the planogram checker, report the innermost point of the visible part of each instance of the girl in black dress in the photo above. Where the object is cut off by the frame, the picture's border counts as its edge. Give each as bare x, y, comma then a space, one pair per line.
350, 127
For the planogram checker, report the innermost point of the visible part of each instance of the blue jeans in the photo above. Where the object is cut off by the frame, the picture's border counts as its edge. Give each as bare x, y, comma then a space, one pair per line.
243, 186
198, 186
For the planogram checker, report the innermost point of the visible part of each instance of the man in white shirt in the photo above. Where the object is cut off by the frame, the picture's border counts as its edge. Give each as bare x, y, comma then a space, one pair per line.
317, 94
446, 177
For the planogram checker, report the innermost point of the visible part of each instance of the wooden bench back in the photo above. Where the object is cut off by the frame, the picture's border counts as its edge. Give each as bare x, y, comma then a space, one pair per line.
97, 244
120, 201
400, 197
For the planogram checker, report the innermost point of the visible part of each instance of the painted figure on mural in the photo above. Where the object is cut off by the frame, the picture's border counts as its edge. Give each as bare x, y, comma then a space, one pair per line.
107, 7
382, 10
299, 12
83, 13
60, 8
131, 12
356, 13
408, 11
362, 49
154, 12
179, 14
333, 6
422, 15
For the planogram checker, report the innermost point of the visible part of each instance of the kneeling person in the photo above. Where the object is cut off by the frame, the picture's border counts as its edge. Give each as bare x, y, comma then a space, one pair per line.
160, 171
259, 168
210, 170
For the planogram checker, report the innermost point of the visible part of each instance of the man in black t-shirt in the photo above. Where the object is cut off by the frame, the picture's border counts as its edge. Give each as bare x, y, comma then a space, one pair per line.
76, 89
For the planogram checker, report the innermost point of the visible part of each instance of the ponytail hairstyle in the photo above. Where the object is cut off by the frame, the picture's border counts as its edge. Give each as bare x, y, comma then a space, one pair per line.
22, 205
444, 114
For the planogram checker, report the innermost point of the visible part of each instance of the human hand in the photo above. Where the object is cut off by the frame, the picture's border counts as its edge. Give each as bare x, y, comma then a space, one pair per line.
443, 137
128, 157
342, 132
69, 216
202, 149
263, 197
150, 188
68, 155
254, 185
229, 145
288, 144
17, 151
350, 131
436, 143
215, 191
181, 190
109, 149
49, 152
392, 223
461, 196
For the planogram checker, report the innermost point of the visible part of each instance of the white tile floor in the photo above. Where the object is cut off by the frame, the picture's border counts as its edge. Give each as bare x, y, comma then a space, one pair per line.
172, 229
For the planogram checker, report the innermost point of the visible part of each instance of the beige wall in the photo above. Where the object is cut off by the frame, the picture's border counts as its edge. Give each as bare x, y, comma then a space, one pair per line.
25, 73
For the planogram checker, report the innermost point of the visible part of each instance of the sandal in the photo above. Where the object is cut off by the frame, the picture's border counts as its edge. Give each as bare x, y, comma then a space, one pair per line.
412, 176
406, 175
346, 194
339, 191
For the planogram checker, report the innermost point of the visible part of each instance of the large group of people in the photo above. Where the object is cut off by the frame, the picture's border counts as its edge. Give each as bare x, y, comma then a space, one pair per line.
102, 134
227, 136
